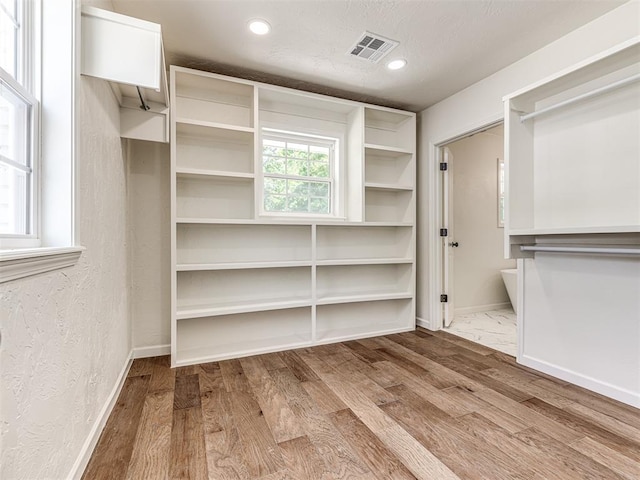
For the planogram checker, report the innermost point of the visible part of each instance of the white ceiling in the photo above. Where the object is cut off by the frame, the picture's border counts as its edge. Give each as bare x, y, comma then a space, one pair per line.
449, 44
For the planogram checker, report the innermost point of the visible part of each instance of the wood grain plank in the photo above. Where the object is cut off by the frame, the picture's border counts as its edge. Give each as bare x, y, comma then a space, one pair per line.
281, 420
261, 454
233, 376
625, 446
225, 457
297, 367
529, 417
187, 392
115, 446
326, 401
463, 342
533, 460
152, 446
363, 353
418, 460
340, 461
302, 458
605, 421
457, 364
140, 367
163, 377
501, 418
477, 460
209, 377
622, 465
188, 457
624, 413
372, 451
272, 361
581, 466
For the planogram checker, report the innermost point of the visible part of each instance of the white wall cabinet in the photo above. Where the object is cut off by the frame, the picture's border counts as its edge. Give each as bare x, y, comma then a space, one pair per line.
128, 52
572, 151
244, 283
573, 177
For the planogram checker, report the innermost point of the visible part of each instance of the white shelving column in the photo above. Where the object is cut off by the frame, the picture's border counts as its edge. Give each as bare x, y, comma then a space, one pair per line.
244, 283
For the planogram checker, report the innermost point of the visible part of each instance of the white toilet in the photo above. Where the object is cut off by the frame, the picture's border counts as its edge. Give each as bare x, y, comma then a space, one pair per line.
510, 279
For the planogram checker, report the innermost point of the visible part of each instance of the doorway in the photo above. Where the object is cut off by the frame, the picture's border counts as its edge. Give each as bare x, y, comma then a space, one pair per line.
477, 305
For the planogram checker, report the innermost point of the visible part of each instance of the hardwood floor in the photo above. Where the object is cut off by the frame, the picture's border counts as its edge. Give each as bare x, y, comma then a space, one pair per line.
426, 405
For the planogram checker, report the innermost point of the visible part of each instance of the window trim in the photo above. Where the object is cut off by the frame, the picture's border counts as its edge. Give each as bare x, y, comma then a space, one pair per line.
57, 30
31, 239
336, 142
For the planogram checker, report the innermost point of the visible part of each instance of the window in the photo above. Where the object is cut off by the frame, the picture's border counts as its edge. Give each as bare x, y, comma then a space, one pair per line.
18, 123
298, 174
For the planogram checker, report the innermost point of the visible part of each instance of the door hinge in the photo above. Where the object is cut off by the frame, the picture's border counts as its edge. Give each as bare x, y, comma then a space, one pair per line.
444, 232
444, 166
444, 298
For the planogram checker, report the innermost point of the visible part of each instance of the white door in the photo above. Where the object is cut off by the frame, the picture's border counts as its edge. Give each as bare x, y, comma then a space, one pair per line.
448, 242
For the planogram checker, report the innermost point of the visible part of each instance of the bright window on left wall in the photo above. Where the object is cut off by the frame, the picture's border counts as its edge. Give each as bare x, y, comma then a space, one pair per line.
18, 125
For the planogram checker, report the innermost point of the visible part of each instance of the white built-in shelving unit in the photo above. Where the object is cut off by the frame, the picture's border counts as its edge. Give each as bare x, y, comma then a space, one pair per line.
245, 283
572, 156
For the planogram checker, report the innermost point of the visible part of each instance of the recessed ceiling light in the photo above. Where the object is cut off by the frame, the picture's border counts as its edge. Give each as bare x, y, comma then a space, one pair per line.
259, 27
396, 64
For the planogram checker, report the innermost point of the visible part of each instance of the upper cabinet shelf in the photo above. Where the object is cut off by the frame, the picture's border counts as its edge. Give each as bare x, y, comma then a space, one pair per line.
128, 52
572, 154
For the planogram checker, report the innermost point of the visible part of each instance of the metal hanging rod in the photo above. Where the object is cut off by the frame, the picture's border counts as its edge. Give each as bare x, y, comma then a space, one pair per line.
592, 93
592, 250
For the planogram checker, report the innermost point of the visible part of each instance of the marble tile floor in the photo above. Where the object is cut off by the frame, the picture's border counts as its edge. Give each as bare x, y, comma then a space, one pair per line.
495, 329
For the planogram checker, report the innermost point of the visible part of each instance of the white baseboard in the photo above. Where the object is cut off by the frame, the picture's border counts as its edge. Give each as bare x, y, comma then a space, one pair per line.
622, 395
153, 351
481, 308
421, 322
94, 435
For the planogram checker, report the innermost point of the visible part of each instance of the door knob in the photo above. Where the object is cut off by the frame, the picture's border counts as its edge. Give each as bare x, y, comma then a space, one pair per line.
453, 244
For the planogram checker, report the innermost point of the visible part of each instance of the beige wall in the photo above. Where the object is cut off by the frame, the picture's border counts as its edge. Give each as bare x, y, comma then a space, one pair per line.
150, 246
477, 284
66, 333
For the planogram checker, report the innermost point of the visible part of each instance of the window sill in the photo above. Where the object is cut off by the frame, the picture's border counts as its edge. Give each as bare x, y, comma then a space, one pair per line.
16, 264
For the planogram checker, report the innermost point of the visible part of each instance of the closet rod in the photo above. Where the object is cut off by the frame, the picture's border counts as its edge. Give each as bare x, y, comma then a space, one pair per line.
594, 250
592, 93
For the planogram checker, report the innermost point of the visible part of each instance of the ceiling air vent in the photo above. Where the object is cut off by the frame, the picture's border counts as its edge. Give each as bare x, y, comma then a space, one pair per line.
372, 47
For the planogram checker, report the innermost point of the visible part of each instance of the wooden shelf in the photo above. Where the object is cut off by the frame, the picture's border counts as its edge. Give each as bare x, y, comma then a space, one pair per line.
195, 172
237, 307
389, 186
245, 284
190, 267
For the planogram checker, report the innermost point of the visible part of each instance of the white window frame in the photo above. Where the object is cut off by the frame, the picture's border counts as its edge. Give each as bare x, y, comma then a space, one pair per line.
57, 27
333, 142
25, 86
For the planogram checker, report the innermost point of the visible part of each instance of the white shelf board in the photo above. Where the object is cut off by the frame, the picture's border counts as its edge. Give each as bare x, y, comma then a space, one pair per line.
209, 354
355, 333
364, 261
387, 150
220, 126
191, 267
388, 187
228, 308
196, 172
365, 297
576, 230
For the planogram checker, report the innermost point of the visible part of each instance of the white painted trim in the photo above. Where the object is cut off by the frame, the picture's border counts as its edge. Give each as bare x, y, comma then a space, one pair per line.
94, 435
16, 264
435, 201
152, 351
622, 395
481, 308
421, 322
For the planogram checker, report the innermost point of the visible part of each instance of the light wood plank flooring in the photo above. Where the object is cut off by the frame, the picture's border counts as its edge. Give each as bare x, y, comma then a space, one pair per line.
426, 405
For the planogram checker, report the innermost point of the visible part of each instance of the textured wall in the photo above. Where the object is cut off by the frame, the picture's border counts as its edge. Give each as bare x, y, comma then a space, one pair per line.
66, 333
150, 246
